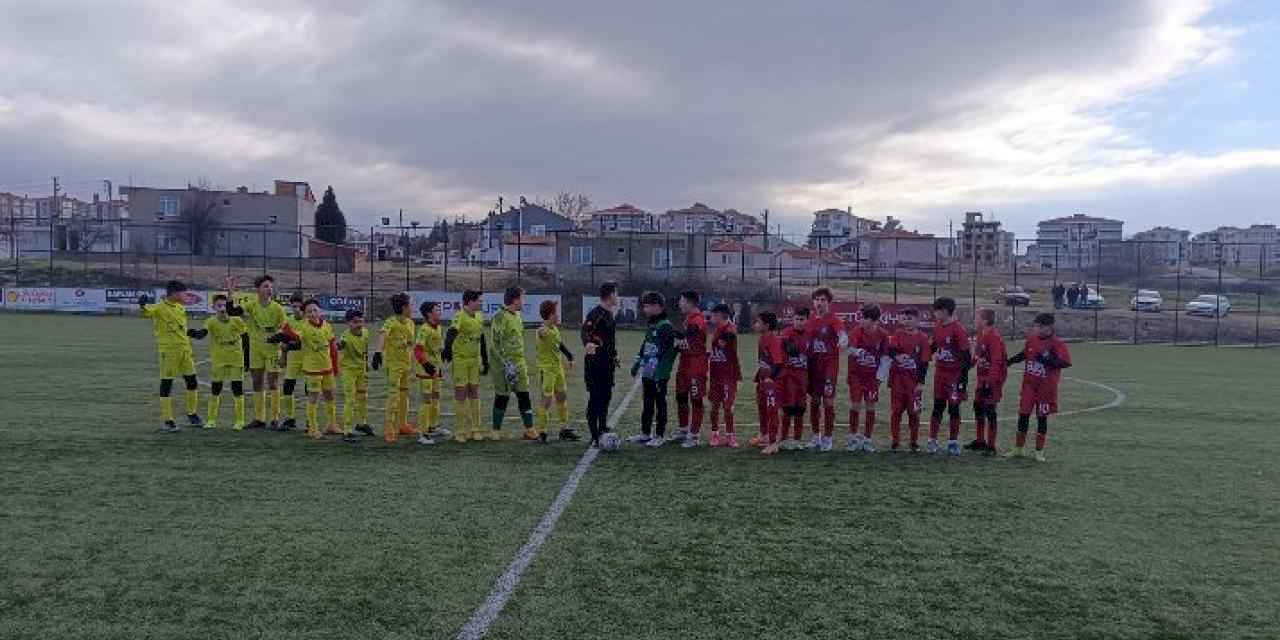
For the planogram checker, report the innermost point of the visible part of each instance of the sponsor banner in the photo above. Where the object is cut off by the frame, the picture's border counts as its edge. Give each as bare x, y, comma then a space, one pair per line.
336, 307
628, 311
30, 298
451, 303
851, 311
124, 298
77, 300
195, 301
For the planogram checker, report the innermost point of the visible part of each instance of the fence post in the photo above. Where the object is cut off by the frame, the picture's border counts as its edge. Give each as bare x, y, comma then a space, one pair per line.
630, 234
1177, 296
264, 248
405, 242
742, 258
372, 254
191, 253
895, 269
1257, 316
17, 250
446, 260
1098, 260
974, 292
1137, 286
299, 257
1217, 301
1013, 315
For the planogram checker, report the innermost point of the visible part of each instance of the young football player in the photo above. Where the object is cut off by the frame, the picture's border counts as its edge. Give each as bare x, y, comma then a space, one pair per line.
394, 347
1045, 355
264, 317
429, 372
228, 353
512, 373
726, 373
353, 370
910, 355
950, 348
467, 354
173, 345
793, 385
990, 362
771, 361
653, 364
827, 336
600, 359
868, 362
549, 350
287, 406
318, 362
691, 374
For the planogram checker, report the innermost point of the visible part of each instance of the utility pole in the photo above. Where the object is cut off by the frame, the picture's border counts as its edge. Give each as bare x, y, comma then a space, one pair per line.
55, 209
766, 229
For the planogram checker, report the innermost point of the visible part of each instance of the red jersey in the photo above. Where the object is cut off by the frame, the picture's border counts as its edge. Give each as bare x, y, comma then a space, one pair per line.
795, 346
950, 343
866, 346
1034, 370
990, 358
911, 354
771, 355
695, 332
823, 333
724, 354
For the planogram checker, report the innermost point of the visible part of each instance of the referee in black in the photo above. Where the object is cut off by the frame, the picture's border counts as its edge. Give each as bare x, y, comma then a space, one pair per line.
599, 341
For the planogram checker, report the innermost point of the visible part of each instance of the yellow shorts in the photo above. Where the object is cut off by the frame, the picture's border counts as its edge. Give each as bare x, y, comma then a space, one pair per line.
264, 357
227, 373
177, 363
427, 386
466, 373
358, 378
553, 380
293, 368
398, 376
317, 382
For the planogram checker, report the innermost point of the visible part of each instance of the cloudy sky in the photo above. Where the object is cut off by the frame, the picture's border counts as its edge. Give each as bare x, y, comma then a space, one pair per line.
1158, 112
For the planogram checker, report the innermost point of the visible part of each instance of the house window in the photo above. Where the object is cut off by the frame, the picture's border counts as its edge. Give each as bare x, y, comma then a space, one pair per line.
537, 229
611, 224
661, 258
166, 242
725, 259
168, 207
580, 255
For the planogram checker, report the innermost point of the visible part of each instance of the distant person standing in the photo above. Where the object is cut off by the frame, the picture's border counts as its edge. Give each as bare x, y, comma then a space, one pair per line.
1073, 294
1059, 292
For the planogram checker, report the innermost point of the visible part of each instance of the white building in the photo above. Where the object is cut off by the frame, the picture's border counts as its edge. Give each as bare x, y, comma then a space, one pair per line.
1238, 246
1162, 245
1075, 241
624, 218
830, 225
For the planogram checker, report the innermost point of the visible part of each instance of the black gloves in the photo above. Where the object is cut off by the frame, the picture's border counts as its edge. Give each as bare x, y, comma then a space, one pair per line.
984, 392
484, 367
144, 300
377, 360
635, 368
1016, 358
197, 334
429, 368
277, 338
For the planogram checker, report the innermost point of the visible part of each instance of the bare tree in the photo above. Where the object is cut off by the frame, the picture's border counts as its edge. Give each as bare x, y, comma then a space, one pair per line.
573, 206
87, 235
200, 215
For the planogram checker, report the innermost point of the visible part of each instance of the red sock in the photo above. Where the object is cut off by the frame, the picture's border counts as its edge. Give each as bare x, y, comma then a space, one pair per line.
870, 425
913, 421
935, 423
728, 419
682, 412
982, 427
953, 431
1021, 440
853, 421
696, 410
829, 417
991, 433
715, 416
895, 427
1040, 438
815, 415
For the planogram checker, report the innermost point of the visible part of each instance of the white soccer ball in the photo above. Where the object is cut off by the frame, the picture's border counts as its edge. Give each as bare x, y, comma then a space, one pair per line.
610, 442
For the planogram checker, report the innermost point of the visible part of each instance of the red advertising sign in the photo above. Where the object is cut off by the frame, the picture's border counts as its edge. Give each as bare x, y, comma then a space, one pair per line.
850, 311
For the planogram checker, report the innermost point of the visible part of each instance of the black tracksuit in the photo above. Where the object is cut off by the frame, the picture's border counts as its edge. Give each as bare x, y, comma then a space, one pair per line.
599, 329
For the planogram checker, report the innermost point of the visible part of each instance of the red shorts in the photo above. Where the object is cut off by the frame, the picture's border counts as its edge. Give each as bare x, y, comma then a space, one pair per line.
908, 401
1040, 399
864, 389
691, 383
791, 389
946, 385
989, 399
767, 395
822, 380
723, 391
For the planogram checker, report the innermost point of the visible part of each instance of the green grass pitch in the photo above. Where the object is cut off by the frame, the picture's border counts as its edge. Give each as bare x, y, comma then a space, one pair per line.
1159, 518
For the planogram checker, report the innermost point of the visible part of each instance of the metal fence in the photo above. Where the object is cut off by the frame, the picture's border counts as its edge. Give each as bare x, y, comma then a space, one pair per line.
1136, 292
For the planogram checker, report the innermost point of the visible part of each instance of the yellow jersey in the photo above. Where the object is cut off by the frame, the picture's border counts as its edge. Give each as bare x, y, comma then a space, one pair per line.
225, 348
470, 328
262, 320
546, 347
397, 347
431, 337
169, 322
353, 351
319, 351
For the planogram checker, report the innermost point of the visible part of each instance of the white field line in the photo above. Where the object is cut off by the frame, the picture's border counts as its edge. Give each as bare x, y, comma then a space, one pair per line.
483, 618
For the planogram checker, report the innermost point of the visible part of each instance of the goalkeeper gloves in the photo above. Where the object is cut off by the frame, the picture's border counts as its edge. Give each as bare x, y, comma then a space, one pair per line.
428, 368
509, 370
377, 360
277, 338
484, 368
197, 334
144, 300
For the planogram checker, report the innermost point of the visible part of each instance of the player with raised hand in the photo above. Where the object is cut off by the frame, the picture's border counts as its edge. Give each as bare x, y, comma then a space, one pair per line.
317, 358
353, 371
793, 384
771, 360
429, 372
549, 350
910, 354
827, 336
466, 351
726, 373
393, 347
263, 316
989, 360
173, 345
512, 372
691, 373
1045, 355
950, 348
868, 360
228, 353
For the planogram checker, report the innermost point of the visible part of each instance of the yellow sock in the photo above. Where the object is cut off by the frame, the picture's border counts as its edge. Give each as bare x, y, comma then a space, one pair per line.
331, 410
273, 404
290, 406
435, 411
166, 408
362, 405
214, 407
389, 419
239, 402
402, 409
540, 425
348, 410
312, 411
562, 412
424, 416
476, 426
193, 401
461, 423
260, 406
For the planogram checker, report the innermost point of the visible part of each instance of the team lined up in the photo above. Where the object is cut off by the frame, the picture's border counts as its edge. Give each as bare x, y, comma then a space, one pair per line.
798, 368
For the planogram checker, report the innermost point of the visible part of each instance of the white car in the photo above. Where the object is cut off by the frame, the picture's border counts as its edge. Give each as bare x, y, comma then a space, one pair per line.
1147, 300
1093, 300
1209, 305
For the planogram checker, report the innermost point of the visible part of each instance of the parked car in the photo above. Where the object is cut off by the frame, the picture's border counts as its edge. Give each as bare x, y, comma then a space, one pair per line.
1209, 305
1093, 300
1012, 295
1147, 300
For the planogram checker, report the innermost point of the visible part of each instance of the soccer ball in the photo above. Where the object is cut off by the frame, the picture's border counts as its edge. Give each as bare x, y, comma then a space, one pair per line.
610, 442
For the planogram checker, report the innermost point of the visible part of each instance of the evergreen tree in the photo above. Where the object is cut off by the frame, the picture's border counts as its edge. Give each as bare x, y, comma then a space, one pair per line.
331, 224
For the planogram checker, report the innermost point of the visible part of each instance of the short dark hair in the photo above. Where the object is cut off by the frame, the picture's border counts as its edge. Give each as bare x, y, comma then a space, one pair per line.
802, 312
871, 311
769, 319
722, 308
1044, 319
822, 292
470, 295
398, 302
690, 295
426, 307
257, 282
296, 297
309, 302
653, 297
910, 313
987, 315
220, 296
547, 308
352, 314
608, 289
511, 294
944, 304
174, 286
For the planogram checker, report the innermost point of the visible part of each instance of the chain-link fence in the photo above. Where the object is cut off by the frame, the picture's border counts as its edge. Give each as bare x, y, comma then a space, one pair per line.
1127, 291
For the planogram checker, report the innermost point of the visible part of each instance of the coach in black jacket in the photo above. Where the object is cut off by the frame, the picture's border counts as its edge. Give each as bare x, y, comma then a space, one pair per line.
599, 341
